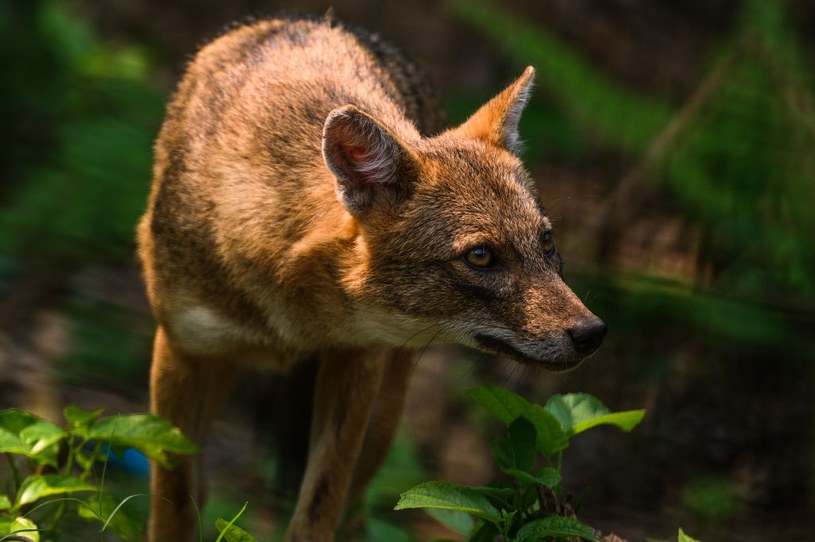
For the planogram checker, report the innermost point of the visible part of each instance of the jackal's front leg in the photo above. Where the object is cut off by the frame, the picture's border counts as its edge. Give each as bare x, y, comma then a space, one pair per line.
186, 390
346, 387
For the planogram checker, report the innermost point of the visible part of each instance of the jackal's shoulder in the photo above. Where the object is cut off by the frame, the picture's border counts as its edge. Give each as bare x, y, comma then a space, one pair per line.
345, 60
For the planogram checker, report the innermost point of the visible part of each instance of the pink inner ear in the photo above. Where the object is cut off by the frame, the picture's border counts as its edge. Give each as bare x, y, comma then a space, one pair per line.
357, 155
361, 158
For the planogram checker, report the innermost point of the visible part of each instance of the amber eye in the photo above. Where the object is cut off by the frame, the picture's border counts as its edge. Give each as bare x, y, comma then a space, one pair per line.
480, 257
549, 246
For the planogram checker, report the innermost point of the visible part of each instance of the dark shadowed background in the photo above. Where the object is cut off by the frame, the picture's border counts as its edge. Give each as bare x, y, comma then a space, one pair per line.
674, 147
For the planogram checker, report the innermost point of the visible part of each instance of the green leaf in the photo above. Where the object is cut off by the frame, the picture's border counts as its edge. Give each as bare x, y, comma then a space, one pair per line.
20, 526
682, 537
79, 419
516, 451
37, 487
578, 412
113, 515
5, 503
497, 490
500, 495
547, 476
508, 516
25, 434
459, 522
574, 408
231, 532
502, 403
150, 434
554, 526
86, 456
626, 421
507, 406
529, 498
447, 496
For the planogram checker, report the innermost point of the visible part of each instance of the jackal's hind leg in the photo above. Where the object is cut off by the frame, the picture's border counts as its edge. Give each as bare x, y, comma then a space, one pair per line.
382, 427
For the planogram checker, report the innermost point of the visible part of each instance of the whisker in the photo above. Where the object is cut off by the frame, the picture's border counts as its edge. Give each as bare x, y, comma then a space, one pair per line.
426, 346
431, 326
509, 375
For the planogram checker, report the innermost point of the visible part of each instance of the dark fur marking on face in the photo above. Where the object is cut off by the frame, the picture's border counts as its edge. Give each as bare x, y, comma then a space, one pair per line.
487, 295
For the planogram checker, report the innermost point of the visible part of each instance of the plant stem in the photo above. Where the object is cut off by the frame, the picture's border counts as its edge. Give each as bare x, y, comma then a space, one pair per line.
58, 516
15, 474
70, 442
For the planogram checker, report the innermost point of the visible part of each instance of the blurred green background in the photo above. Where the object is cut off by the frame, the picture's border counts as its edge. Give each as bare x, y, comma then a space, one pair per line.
674, 147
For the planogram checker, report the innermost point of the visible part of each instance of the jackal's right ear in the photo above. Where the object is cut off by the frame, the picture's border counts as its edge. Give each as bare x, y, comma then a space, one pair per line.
371, 165
496, 122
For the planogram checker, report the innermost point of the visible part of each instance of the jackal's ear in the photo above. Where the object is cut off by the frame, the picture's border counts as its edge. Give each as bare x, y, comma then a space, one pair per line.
496, 122
371, 165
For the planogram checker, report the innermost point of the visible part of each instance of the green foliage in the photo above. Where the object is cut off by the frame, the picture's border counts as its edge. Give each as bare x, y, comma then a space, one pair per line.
19, 526
710, 498
680, 537
532, 505
230, 532
25, 434
507, 406
70, 483
87, 117
744, 171
578, 412
448, 496
105, 335
80, 115
554, 526
400, 469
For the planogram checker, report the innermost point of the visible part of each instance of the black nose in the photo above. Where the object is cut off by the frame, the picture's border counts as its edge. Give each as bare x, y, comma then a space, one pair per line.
587, 335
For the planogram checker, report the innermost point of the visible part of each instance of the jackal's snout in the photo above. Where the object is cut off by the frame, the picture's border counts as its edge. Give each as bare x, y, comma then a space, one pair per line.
587, 335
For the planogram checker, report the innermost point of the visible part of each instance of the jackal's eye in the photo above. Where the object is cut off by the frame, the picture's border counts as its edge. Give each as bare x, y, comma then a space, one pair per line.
549, 247
480, 257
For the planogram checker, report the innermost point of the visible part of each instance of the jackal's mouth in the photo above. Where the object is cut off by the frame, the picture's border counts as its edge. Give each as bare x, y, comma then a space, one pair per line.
500, 346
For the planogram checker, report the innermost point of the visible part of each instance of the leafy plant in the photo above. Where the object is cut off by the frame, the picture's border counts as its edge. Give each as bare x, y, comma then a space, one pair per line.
531, 505
680, 537
54, 470
230, 532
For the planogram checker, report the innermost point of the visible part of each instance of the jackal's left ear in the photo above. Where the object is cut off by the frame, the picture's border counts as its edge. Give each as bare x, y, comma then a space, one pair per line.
496, 122
372, 166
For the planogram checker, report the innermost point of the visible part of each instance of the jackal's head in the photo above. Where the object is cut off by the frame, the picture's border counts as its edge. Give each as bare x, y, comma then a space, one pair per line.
456, 247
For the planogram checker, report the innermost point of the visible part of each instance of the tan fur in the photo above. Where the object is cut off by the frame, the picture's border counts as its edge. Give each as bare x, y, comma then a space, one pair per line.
305, 203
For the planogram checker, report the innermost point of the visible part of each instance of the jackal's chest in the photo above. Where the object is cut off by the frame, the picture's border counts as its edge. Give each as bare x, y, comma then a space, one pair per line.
206, 332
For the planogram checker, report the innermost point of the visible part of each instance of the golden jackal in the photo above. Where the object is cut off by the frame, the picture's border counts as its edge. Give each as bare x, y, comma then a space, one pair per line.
306, 204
